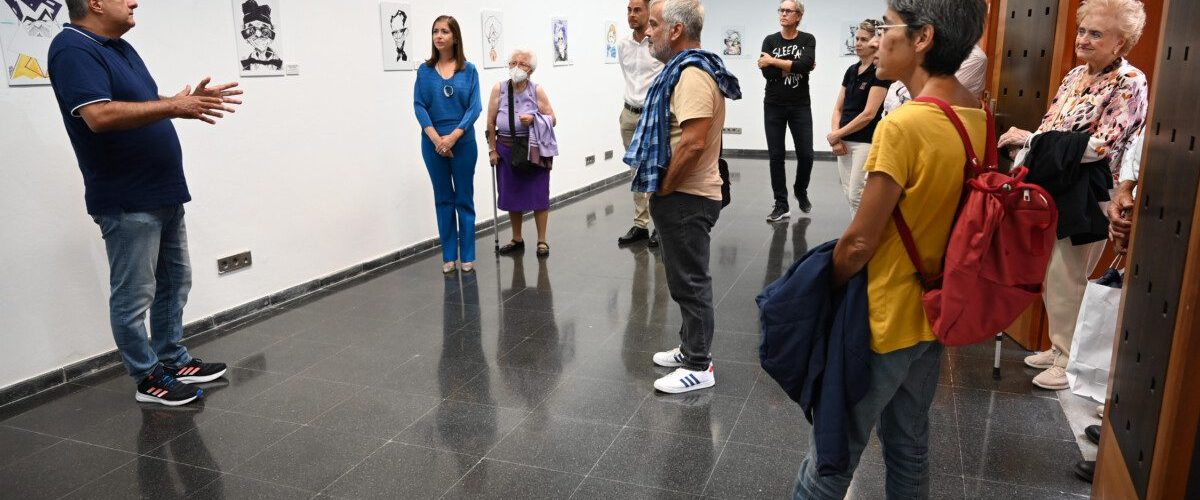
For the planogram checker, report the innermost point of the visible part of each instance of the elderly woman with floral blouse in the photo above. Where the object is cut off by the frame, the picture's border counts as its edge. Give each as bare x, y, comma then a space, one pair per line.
1105, 98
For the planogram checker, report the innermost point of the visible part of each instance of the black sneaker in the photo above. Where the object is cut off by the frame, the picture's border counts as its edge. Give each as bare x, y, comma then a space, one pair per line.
197, 371
653, 239
160, 387
779, 213
802, 201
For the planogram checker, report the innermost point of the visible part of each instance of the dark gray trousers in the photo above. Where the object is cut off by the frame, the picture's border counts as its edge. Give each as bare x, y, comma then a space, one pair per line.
684, 222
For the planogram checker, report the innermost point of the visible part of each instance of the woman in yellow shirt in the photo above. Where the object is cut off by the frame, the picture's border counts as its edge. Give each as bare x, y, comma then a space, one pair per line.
916, 163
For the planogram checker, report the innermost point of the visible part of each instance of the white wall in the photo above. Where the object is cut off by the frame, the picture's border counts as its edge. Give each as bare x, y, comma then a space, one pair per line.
824, 19
316, 172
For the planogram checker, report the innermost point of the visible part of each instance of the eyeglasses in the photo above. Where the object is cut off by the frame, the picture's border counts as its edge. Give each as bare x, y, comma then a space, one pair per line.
882, 28
514, 64
784, 12
1094, 35
265, 31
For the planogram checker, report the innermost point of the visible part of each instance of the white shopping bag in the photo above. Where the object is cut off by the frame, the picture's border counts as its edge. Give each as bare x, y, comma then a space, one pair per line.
1095, 330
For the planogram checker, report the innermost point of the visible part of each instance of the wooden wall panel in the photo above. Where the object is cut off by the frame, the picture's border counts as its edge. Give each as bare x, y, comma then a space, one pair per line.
1151, 407
1022, 96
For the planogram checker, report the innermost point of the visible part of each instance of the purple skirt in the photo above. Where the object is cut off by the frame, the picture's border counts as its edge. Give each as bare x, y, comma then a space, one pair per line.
521, 192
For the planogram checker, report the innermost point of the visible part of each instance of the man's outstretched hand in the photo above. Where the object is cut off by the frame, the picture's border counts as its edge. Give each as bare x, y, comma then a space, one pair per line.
206, 103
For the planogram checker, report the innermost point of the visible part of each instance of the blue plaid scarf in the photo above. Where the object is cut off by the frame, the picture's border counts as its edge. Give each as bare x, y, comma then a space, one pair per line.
650, 150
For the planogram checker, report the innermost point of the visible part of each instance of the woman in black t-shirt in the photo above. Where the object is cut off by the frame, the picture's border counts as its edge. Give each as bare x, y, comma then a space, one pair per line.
857, 111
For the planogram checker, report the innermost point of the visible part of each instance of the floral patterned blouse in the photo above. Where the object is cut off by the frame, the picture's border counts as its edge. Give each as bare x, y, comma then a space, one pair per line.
1111, 108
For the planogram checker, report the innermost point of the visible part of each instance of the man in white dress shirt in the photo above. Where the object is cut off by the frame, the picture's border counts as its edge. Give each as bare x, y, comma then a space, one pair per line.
640, 69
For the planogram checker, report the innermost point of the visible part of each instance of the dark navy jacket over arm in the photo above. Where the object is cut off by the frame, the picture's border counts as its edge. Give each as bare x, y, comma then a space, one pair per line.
816, 345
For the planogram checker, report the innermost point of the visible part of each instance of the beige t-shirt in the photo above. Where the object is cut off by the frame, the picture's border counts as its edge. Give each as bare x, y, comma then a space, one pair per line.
697, 96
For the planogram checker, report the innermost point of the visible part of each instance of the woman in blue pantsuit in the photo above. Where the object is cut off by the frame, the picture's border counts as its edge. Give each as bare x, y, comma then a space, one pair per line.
447, 103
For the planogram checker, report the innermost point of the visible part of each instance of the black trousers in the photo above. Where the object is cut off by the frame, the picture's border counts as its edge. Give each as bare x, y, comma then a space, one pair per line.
777, 120
684, 223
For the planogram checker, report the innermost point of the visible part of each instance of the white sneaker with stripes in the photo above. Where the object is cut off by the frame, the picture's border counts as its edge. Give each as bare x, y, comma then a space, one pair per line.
670, 359
684, 380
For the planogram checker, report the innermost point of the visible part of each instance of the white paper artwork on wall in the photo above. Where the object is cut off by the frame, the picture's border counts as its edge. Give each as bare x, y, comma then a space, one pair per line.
848, 34
258, 37
610, 42
492, 24
393, 31
26, 29
559, 35
731, 41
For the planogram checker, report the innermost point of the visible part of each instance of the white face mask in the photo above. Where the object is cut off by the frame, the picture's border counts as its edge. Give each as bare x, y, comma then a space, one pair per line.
518, 75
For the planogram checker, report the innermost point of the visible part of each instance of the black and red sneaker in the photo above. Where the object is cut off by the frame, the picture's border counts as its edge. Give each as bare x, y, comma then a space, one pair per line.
160, 387
197, 372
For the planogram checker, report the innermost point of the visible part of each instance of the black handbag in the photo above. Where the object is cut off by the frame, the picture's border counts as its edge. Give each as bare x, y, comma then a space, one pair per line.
518, 156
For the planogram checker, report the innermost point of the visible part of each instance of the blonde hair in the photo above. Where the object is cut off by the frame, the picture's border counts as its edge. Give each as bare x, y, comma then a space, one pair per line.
1130, 16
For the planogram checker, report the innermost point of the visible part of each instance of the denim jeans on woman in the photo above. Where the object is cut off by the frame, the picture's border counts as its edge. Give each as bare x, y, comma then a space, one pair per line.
149, 271
903, 384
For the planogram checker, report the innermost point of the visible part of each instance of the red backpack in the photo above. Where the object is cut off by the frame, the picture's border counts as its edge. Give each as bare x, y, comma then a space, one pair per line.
999, 247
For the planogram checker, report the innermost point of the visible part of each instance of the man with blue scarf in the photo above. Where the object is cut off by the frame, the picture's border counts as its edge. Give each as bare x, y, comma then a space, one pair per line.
675, 150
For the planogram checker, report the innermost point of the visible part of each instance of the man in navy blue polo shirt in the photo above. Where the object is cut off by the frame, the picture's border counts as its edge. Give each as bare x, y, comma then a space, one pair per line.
134, 188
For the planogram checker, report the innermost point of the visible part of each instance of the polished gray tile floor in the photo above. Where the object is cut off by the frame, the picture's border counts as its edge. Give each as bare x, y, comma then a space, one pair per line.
529, 379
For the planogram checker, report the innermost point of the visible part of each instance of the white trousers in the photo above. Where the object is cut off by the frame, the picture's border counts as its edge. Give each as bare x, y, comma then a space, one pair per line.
851, 173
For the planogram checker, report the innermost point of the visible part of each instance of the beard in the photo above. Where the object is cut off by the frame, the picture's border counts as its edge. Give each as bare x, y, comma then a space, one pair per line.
660, 51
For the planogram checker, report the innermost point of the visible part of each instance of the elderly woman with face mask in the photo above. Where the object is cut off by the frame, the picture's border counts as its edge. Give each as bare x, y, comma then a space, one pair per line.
521, 189
1106, 99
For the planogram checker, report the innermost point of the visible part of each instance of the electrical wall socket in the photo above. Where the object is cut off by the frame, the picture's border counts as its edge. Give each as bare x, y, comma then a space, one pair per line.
590, 160
233, 263
291, 69
732, 131
608, 155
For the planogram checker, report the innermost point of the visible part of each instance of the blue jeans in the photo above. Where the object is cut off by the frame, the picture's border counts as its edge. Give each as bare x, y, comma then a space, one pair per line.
454, 195
148, 271
902, 387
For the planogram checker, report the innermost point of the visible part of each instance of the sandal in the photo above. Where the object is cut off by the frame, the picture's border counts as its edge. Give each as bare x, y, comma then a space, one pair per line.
448, 267
468, 267
543, 249
511, 247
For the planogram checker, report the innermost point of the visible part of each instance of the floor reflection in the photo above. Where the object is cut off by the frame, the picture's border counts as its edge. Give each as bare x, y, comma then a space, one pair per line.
530, 378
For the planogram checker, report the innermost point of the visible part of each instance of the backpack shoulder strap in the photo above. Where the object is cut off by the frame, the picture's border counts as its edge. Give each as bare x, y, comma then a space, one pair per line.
970, 169
973, 165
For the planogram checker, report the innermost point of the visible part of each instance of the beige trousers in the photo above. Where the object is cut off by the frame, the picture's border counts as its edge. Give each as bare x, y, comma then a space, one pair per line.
1066, 279
641, 201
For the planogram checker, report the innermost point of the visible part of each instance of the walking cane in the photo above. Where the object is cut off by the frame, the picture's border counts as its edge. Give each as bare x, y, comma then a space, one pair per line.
495, 213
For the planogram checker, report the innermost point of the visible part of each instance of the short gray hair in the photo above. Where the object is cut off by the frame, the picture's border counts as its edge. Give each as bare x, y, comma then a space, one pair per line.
77, 9
799, 6
528, 53
957, 27
689, 13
